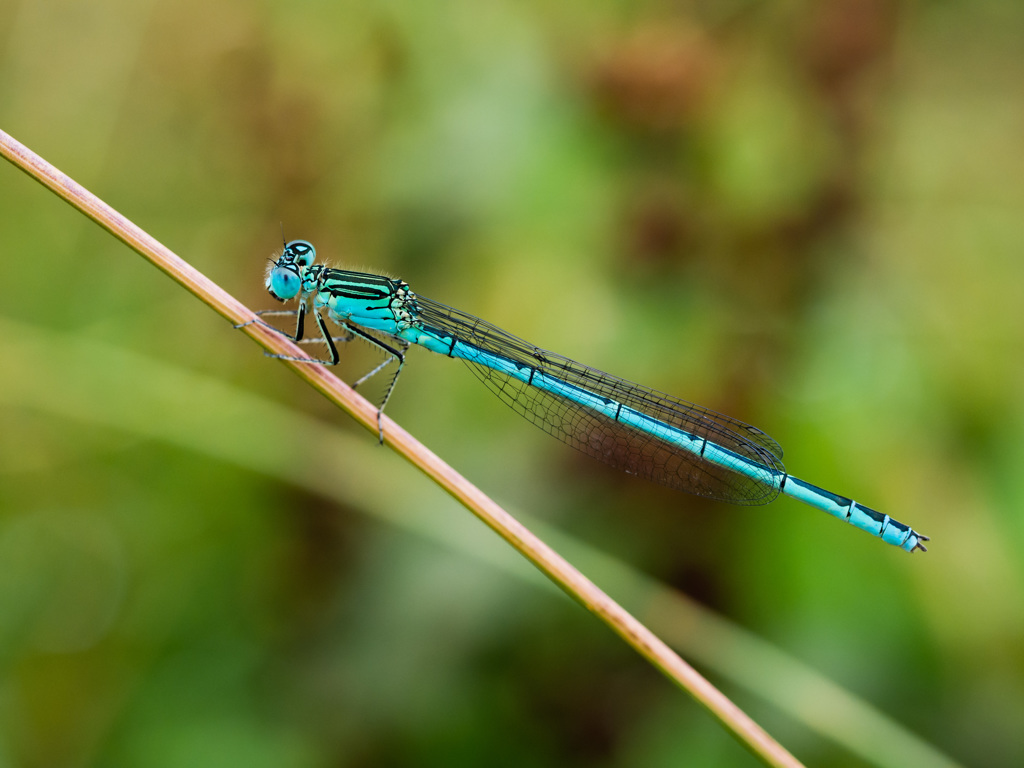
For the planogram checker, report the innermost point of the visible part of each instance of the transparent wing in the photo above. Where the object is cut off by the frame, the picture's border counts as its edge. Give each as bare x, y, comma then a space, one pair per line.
622, 446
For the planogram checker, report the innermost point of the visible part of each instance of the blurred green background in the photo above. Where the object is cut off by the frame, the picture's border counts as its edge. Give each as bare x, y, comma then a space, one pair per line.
807, 215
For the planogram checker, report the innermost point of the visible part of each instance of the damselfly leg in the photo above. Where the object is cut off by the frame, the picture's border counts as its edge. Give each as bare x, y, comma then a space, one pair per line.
327, 339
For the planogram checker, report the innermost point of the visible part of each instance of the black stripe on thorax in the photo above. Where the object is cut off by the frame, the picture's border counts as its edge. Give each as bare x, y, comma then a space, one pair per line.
357, 293
358, 286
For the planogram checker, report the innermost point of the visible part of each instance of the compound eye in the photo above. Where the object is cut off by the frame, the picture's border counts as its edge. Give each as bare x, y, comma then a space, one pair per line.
302, 251
284, 283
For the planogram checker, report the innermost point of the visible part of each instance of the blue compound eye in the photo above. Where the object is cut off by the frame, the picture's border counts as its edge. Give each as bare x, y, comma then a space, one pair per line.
284, 283
301, 252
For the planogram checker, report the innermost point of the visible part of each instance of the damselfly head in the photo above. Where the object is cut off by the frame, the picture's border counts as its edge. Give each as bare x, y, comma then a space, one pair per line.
284, 278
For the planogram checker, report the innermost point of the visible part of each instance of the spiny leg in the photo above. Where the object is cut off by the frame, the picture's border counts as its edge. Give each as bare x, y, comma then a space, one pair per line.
366, 377
299, 329
394, 354
262, 312
326, 338
350, 333
258, 321
349, 336
300, 314
387, 395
